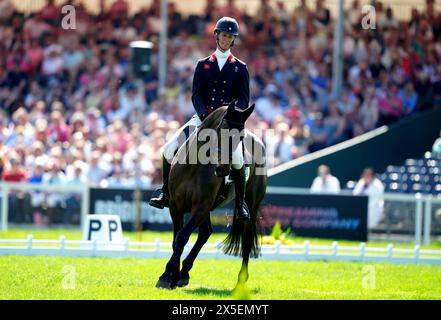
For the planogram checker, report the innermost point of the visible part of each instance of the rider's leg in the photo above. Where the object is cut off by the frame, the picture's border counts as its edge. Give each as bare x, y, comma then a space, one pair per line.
238, 175
161, 196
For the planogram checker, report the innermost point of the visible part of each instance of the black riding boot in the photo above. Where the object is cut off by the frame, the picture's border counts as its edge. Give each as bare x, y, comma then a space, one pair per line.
161, 196
241, 210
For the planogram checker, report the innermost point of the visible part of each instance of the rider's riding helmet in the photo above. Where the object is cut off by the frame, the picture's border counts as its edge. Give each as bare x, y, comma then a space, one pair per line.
227, 25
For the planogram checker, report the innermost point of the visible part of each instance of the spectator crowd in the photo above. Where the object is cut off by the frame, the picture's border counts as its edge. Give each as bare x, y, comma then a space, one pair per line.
71, 112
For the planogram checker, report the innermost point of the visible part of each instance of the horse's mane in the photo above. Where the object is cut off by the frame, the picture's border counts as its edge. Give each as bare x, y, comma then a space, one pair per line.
212, 120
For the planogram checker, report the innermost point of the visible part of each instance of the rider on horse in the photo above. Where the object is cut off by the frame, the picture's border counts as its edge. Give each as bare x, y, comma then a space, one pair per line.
218, 80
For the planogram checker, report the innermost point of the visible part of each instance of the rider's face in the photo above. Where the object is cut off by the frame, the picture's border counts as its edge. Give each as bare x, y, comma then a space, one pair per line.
225, 41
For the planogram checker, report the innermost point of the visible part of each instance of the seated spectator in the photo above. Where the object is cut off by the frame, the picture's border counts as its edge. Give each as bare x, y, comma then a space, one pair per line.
14, 172
371, 186
35, 26
58, 130
325, 182
268, 106
34, 55
409, 98
21, 130
319, 133
301, 15
230, 10
73, 201
130, 100
284, 143
117, 179
7, 9
369, 112
335, 125
37, 198
51, 12
301, 135
119, 10
53, 62
37, 173
54, 200
390, 105
95, 172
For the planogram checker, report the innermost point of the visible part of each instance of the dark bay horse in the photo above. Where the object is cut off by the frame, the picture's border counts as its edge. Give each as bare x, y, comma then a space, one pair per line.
195, 188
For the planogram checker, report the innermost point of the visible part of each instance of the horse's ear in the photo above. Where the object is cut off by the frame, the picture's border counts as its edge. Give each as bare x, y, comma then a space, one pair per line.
232, 105
247, 112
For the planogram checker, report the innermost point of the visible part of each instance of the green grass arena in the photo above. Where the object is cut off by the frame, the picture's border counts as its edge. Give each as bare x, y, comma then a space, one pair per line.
41, 277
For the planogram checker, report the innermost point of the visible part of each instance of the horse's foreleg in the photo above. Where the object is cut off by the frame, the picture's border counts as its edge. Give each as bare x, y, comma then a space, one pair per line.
205, 231
170, 277
178, 220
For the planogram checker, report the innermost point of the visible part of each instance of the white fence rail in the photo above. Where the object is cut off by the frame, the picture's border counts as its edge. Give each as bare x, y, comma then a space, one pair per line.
158, 249
423, 203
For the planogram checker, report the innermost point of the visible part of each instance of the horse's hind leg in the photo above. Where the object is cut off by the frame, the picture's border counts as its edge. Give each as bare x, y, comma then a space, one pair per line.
205, 231
170, 277
250, 244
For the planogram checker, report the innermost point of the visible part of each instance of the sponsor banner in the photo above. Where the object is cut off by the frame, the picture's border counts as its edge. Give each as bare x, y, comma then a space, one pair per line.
310, 215
318, 216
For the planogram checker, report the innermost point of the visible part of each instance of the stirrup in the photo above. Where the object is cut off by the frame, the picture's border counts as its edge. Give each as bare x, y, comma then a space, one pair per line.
159, 199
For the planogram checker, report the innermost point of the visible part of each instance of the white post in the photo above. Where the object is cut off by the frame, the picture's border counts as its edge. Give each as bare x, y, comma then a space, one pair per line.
334, 249
84, 205
29, 246
362, 250
62, 243
390, 248
157, 246
278, 247
126, 245
4, 211
418, 218
417, 253
306, 249
427, 221
218, 248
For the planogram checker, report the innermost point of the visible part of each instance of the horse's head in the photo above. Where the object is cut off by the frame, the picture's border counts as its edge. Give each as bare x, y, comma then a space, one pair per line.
230, 132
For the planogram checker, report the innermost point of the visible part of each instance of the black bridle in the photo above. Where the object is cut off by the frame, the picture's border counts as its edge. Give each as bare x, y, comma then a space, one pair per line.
231, 125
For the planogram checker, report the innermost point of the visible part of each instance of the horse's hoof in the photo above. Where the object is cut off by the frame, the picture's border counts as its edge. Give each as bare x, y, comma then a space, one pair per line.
183, 282
164, 284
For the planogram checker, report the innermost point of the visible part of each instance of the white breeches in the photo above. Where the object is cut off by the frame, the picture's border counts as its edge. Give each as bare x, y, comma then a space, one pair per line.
178, 139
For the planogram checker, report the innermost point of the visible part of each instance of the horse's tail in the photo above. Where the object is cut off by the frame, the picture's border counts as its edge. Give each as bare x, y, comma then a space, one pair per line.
243, 238
243, 235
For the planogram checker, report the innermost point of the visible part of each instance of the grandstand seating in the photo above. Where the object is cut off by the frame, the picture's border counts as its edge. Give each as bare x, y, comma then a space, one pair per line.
421, 175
